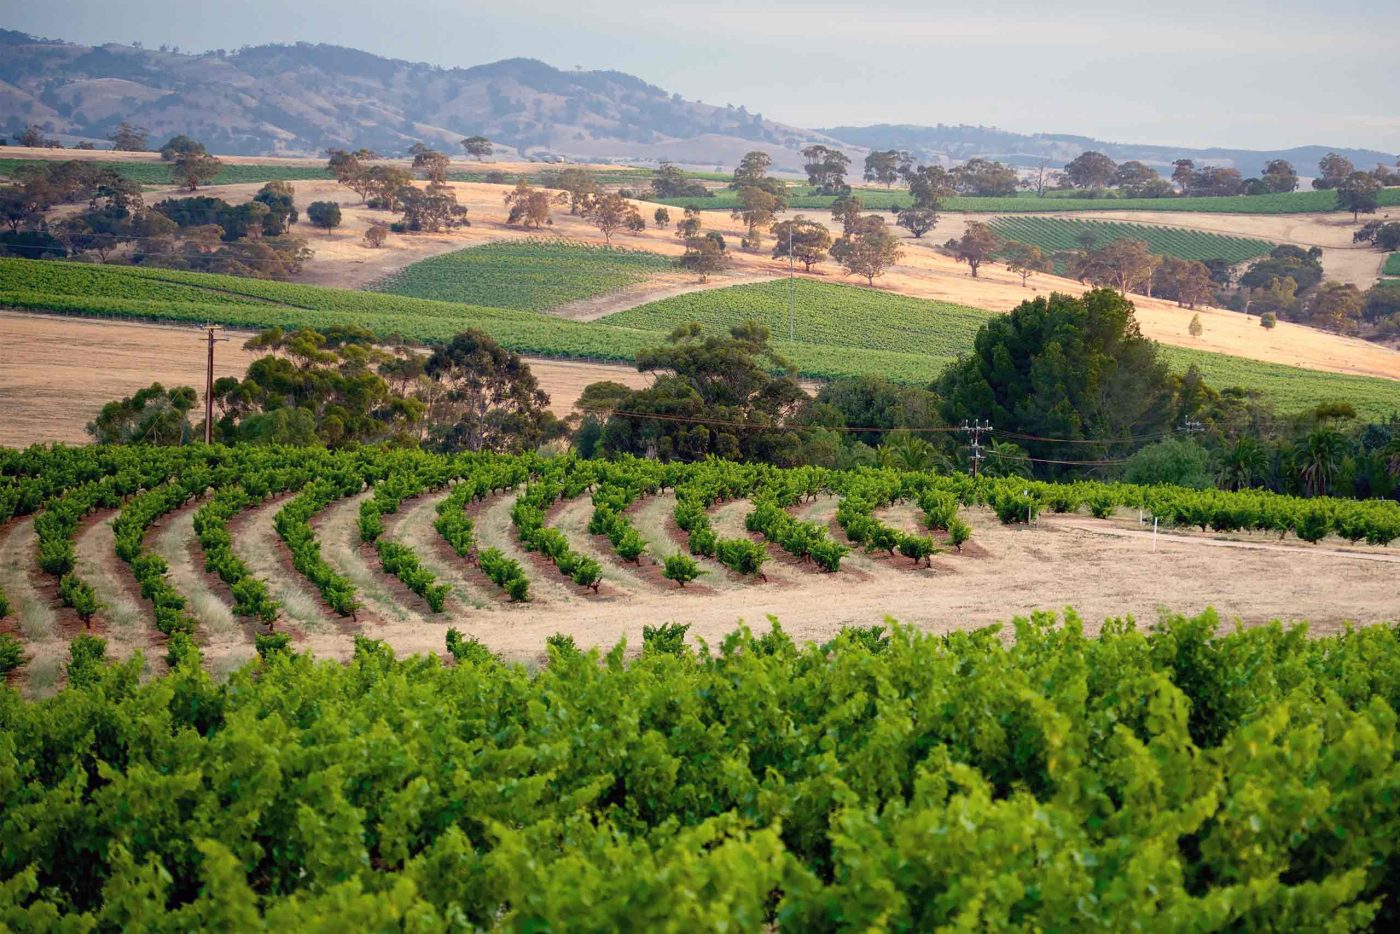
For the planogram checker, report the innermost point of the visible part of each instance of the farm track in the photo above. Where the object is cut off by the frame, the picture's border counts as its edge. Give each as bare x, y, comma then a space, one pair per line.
256, 542
648, 291
495, 530
125, 618
412, 526
337, 529
222, 637
1102, 527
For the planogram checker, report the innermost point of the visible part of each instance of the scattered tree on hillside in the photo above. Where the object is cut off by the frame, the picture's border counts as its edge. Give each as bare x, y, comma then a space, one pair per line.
930, 185
33, 137
350, 170
806, 240
323, 214
1139, 180
612, 212
1042, 181
885, 167
868, 251
280, 199
1091, 170
1336, 306
752, 168
529, 206
154, 415
1188, 282
1383, 235
430, 209
180, 145
190, 165
977, 245
984, 178
1268, 320
670, 182
726, 379
1195, 328
382, 184
375, 235
1359, 193
1025, 260
1065, 367
484, 398
826, 169
917, 220
433, 164
478, 147
704, 256
847, 211
1332, 169
578, 184
689, 225
756, 207
1125, 264
662, 217
128, 137
1279, 176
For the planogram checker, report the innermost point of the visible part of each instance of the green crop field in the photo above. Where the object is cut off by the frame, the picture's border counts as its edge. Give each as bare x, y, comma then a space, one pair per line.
862, 331
823, 313
158, 173
1054, 234
531, 275
849, 320
1298, 202
1392, 265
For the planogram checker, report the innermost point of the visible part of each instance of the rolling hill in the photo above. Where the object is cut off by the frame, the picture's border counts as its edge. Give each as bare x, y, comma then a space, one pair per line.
301, 99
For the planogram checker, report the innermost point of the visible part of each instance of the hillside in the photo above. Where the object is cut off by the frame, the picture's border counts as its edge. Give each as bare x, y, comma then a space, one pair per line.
304, 98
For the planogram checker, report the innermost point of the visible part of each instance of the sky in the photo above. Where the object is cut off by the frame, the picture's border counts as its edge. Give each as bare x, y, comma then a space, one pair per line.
1258, 74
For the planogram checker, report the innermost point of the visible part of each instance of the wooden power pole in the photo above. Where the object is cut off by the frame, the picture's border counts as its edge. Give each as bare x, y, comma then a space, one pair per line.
211, 336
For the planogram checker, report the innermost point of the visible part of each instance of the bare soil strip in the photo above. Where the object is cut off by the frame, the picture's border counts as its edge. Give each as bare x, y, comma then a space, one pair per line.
32, 618
1106, 527
225, 641
126, 618
667, 285
412, 526
256, 542
337, 529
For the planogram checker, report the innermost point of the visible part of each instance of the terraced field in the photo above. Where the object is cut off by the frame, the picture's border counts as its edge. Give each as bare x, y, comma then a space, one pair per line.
526, 274
1054, 234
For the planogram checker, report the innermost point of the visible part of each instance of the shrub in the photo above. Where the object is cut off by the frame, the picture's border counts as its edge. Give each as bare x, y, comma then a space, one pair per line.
11, 654
681, 569
667, 639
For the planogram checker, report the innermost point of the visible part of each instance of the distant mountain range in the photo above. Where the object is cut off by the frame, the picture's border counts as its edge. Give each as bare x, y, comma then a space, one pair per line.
302, 99
956, 143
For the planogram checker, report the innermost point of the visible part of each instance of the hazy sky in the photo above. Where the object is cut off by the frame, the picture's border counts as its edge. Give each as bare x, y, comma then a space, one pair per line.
1243, 73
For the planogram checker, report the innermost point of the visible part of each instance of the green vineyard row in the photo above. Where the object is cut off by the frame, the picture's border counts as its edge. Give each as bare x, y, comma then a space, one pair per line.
1055, 234
529, 275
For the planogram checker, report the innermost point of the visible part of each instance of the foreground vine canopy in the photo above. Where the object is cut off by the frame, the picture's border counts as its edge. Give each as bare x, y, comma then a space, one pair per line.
1180, 778
1168, 780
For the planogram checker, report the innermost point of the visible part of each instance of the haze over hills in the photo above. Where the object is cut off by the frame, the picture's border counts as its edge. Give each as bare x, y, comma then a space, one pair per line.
302, 99
957, 143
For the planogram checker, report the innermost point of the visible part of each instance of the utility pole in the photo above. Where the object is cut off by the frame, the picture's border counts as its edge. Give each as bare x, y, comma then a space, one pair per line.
211, 336
792, 319
1192, 427
974, 432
